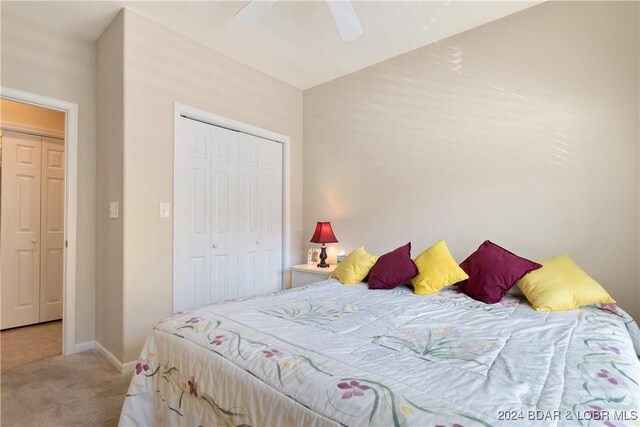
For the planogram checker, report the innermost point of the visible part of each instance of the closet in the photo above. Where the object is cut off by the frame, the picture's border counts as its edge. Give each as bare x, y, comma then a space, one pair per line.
32, 228
227, 214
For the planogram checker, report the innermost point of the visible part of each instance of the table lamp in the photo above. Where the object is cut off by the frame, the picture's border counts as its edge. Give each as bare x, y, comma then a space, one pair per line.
323, 234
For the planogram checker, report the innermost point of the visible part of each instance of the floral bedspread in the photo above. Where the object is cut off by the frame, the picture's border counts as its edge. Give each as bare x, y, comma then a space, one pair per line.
328, 354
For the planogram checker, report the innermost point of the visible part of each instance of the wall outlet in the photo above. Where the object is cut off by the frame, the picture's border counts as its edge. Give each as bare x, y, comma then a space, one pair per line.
165, 210
113, 210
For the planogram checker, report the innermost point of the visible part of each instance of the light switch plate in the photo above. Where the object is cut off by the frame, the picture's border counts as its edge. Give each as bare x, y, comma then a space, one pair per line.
113, 210
165, 210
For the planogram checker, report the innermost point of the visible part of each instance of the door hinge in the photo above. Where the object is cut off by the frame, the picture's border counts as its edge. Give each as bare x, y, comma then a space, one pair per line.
66, 243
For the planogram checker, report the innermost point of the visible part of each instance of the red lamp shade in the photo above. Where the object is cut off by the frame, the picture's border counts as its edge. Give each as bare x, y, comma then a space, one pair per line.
324, 234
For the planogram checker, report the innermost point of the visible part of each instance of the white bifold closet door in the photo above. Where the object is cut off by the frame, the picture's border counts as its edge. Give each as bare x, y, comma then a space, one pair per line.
52, 229
228, 215
32, 228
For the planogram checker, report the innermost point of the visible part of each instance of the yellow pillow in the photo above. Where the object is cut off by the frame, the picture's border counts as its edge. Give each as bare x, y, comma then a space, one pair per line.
561, 285
355, 267
436, 269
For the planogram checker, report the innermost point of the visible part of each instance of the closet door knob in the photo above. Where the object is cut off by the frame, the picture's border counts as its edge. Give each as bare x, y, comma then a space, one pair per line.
34, 241
257, 242
214, 246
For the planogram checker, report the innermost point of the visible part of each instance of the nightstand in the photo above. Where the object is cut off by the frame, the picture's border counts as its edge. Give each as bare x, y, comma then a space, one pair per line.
305, 274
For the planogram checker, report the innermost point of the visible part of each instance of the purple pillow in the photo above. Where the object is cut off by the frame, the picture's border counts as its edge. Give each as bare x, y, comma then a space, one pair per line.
492, 272
393, 269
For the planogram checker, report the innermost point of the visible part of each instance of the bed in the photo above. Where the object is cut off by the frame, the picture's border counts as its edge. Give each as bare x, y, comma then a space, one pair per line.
328, 354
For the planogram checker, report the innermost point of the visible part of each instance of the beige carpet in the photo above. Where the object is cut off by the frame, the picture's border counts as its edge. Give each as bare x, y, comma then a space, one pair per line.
78, 390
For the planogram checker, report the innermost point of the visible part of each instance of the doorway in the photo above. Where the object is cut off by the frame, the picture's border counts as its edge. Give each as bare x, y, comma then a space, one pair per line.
31, 229
37, 223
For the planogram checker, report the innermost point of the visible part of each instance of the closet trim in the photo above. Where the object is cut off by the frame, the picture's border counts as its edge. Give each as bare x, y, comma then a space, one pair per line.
227, 128
181, 110
71, 204
32, 130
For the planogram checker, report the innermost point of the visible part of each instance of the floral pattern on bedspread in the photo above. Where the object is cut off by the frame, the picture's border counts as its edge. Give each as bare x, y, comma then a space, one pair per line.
452, 297
249, 349
608, 370
410, 360
467, 348
287, 369
175, 390
380, 399
312, 312
620, 315
334, 316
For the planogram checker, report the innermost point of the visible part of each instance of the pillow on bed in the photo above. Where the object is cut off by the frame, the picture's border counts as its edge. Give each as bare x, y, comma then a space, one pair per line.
393, 269
561, 285
436, 269
355, 267
492, 272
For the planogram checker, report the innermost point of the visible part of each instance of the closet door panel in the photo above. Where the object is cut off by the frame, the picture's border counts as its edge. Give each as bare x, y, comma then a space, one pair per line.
192, 214
224, 233
52, 229
272, 215
250, 277
20, 237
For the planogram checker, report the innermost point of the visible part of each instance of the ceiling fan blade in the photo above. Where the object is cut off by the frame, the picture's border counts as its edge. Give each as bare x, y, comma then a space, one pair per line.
253, 11
346, 19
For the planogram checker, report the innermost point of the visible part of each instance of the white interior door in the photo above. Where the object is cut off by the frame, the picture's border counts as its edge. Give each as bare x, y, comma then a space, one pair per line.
192, 211
224, 209
250, 274
272, 215
260, 215
52, 229
20, 229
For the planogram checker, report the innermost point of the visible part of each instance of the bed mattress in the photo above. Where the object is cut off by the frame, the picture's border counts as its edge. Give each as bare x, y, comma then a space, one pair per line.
328, 354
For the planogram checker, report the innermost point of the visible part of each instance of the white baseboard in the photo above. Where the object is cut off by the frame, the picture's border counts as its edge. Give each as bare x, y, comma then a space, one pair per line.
123, 368
84, 346
110, 357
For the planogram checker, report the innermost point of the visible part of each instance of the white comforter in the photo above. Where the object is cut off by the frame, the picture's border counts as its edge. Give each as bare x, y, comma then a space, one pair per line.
329, 354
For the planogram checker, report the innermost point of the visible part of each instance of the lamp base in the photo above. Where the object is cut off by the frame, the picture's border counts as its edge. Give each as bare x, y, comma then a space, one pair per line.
323, 257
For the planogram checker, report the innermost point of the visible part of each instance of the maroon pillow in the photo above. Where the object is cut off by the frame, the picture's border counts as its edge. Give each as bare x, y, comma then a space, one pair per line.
492, 272
393, 269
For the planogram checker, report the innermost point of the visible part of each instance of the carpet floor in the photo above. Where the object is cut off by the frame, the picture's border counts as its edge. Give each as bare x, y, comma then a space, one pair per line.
82, 389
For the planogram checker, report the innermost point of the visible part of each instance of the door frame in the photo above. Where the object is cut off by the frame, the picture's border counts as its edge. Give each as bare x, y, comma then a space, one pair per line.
70, 208
215, 120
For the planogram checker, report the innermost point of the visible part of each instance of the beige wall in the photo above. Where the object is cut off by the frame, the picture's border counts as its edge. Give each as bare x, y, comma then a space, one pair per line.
37, 60
161, 67
110, 186
523, 131
32, 116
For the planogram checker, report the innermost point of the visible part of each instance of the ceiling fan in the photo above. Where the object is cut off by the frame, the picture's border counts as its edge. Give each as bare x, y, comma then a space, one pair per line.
342, 10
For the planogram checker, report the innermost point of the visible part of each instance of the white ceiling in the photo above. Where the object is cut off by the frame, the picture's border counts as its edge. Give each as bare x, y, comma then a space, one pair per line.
294, 41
